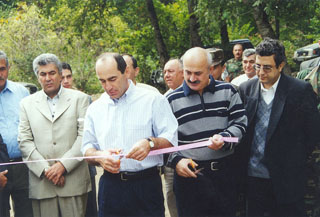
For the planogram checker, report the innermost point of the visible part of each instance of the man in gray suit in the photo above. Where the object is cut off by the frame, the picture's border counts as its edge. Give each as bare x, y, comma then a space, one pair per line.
51, 125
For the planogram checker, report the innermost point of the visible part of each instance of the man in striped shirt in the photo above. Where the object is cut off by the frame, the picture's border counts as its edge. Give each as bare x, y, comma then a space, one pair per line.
205, 109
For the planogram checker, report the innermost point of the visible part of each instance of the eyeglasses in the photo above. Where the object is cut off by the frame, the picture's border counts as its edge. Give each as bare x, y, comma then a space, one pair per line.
266, 68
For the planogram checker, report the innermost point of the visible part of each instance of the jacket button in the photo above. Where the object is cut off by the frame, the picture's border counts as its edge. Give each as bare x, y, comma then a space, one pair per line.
54, 143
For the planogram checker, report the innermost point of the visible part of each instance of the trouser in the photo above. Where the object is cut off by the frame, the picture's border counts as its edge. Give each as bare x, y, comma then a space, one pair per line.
261, 201
60, 206
125, 196
170, 196
91, 210
4, 205
18, 188
210, 194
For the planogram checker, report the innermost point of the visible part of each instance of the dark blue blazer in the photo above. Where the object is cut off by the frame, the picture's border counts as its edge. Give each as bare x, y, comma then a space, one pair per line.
292, 133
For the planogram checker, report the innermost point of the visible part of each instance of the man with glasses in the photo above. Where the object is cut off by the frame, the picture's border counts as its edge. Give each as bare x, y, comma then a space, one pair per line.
283, 121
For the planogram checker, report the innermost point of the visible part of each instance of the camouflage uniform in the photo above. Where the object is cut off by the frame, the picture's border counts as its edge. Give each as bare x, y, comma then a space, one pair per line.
303, 73
234, 68
312, 196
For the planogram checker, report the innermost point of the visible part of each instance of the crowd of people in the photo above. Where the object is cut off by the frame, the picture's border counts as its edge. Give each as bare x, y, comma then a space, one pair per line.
46, 136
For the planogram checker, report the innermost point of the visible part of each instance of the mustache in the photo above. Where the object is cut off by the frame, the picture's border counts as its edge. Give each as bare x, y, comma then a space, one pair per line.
2, 78
194, 82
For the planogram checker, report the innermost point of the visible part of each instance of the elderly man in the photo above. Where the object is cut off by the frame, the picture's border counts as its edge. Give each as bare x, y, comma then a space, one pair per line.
234, 65
173, 76
11, 94
283, 128
132, 72
134, 121
51, 125
205, 108
248, 61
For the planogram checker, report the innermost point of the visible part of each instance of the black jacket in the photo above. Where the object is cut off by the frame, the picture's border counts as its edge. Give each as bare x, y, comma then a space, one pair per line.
4, 157
292, 133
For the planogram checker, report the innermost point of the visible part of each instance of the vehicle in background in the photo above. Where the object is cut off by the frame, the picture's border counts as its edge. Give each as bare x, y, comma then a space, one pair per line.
306, 53
246, 43
31, 87
310, 64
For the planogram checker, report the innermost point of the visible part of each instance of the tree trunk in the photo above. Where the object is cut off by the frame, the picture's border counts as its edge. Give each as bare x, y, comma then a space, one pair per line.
262, 22
194, 25
277, 23
223, 31
161, 46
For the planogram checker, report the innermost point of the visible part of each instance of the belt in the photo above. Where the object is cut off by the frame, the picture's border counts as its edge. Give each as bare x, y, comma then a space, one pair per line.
18, 159
215, 164
126, 176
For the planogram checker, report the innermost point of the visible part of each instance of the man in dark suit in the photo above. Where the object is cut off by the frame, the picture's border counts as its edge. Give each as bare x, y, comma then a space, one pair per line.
283, 123
4, 157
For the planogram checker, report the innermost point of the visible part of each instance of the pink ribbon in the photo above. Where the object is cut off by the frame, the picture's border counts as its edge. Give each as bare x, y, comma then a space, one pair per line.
151, 153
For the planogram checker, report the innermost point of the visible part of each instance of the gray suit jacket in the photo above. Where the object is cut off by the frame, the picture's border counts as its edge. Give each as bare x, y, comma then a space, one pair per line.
43, 137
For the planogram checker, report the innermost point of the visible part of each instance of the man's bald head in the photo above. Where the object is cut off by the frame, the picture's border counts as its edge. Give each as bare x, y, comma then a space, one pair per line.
173, 73
196, 64
198, 54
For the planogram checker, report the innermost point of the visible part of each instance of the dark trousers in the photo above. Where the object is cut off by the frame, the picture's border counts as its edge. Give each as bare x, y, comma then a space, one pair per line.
4, 205
138, 197
91, 210
210, 194
18, 188
261, 201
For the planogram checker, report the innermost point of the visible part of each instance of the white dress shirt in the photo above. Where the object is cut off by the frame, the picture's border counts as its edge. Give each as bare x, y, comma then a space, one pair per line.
53, 102
119, 124
268, 94
241, 79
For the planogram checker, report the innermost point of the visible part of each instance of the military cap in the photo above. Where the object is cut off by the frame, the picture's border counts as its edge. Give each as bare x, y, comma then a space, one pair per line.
217, 55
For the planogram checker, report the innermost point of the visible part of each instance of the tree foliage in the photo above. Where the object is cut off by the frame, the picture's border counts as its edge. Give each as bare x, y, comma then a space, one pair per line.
80, 30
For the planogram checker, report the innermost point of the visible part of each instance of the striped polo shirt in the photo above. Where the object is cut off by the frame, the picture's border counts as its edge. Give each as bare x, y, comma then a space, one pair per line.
219, 110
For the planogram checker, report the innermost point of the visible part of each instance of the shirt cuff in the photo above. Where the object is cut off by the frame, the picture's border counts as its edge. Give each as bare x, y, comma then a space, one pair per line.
175, 161
227, 145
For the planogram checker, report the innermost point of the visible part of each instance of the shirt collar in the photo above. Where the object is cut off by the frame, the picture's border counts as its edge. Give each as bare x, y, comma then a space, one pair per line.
56, 96
274, 86
128, 92
210, 88
8, 86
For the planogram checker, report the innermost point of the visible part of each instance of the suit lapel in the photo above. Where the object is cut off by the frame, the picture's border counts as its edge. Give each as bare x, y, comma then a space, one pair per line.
278, 105
42, 105
63, 104
253, 101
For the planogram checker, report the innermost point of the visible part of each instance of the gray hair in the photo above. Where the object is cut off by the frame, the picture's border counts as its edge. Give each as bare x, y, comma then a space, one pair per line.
3, 55
179, 60
248, 52
45, 59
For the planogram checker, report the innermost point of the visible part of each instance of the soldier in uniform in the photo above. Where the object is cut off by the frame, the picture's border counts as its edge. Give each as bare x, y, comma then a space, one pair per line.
234, 65
217, 63
312, 196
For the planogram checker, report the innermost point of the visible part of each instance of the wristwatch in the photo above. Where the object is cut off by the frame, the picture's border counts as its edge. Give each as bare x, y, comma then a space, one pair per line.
151, 143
